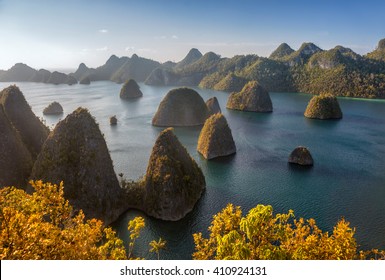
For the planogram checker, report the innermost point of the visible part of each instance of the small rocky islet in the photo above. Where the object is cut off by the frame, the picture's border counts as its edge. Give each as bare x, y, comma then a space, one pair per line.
216, 139
130, 90
213, 106
301, 156
323, 107
53, 108
181, 107
252, 98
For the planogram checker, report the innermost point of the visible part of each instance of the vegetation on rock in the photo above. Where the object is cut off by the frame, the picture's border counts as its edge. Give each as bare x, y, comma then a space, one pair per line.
32, 131
130, 90
173, 182
253, 97
215, 139
75, 152
213, 106
15, 160
324, 106
301, 156
181, 107
53, 109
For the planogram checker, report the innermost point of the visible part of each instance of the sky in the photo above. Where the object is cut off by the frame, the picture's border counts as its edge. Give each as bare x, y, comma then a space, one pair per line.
62, 34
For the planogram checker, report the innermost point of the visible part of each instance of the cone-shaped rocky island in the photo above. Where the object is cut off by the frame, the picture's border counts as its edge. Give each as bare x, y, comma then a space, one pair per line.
213, 106
15, 160
253, 97
53, 109
130, 90
324, 106
181, 107
215, 139
32, 131
76, 153
173, 182
301, 156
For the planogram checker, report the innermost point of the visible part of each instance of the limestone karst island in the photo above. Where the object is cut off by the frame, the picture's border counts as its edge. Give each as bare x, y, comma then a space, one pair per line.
198, 133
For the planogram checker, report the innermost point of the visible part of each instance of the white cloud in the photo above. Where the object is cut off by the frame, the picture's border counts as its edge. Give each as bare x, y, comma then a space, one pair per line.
102, 49
129, 49
174, 37
103, 30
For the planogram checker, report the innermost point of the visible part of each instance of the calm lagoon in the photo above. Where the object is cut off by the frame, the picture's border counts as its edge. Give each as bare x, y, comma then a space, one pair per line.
347, 179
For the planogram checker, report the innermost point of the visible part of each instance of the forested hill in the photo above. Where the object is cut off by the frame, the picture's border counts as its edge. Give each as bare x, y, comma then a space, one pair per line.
338, 71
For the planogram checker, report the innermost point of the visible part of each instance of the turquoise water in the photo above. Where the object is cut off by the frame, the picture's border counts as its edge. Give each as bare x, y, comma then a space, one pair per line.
347, 180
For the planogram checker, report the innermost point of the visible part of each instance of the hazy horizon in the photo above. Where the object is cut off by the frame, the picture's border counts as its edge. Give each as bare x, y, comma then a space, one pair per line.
61, 35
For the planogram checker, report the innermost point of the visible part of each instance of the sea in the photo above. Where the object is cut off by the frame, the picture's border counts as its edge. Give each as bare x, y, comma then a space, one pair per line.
346, 181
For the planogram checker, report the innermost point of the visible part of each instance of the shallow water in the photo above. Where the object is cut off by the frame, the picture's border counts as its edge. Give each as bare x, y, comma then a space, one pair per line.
347, 180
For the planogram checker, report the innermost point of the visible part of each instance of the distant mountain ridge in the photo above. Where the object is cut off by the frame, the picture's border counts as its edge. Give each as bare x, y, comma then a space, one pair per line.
21, 72
338, 71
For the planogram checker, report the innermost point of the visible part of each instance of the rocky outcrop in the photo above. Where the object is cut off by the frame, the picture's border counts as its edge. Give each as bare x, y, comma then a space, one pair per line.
53, 109
253, 97
130, 90
192, 56
324, 106
32, 132
173, 181
181, 107
15, 159
113, 120
85, 81
215, 139
301, 156
213, 106
76, 153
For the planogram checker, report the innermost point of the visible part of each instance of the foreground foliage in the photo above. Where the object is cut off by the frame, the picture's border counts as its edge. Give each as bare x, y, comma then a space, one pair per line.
262, 235
43, 225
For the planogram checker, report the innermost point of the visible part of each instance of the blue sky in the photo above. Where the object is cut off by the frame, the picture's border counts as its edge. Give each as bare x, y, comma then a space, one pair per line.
62, 34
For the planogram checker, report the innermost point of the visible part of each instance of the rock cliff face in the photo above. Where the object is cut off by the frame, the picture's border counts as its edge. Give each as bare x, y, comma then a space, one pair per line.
301, 156
53, 109
213, 106
130, 90
15, 159
324, 106
253, 97
76, 153
173, 182
32, 132
181, 107
215, 139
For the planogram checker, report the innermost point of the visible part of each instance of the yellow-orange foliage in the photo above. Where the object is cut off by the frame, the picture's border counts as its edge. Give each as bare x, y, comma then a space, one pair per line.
262, 235
43, 225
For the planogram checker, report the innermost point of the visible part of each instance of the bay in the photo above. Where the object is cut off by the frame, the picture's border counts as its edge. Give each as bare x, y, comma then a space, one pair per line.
347, 179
